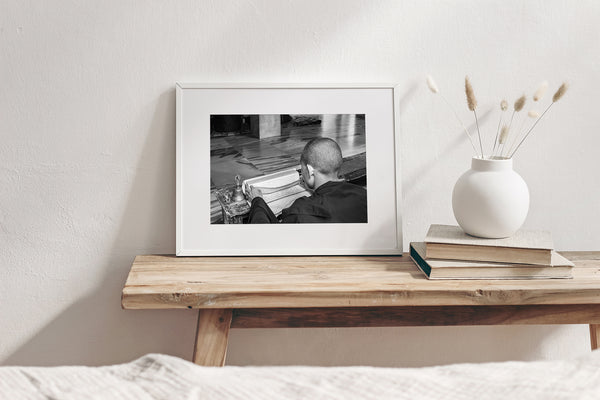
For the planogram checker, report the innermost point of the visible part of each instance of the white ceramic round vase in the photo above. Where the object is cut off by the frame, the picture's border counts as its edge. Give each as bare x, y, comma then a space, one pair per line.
490, 200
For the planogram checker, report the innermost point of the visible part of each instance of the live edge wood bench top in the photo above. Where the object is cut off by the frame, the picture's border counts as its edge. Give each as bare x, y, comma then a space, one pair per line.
165, 281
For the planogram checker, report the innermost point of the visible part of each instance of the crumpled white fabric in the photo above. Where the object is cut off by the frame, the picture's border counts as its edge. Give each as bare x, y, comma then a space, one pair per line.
157, 376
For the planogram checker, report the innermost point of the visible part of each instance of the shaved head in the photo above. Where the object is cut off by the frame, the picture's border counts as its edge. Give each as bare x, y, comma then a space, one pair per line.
323, 154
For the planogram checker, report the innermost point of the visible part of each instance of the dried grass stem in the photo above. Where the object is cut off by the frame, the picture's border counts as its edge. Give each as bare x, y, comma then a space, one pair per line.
530, 129
503, 107
459, 121
478, 133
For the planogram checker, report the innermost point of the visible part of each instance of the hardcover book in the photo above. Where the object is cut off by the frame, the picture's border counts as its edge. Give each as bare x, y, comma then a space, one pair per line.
560, 267
525, 246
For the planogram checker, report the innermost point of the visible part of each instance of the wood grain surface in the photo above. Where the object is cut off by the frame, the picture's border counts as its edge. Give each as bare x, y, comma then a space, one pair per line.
344, 317
212, 337
165, 281
595, 335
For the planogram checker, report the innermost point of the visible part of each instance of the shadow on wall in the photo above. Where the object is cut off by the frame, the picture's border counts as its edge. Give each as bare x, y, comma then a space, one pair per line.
95, 330
417, 192
389, 347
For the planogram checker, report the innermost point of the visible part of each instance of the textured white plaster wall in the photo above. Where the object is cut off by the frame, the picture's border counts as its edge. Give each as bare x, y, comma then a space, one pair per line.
87, 155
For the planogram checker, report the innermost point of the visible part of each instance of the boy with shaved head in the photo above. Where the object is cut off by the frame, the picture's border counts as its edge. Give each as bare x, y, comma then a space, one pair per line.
333, 200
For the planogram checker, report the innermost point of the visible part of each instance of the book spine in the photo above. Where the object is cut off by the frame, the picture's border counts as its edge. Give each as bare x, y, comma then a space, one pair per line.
421, 263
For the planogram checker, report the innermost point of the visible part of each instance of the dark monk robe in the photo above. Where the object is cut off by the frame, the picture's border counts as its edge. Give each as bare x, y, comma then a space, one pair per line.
332, 202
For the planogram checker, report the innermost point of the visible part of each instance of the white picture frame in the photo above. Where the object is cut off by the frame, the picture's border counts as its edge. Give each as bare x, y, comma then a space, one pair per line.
197, 236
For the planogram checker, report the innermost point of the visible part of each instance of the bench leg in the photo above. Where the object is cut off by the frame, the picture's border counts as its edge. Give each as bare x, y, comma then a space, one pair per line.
210, 346
595, 336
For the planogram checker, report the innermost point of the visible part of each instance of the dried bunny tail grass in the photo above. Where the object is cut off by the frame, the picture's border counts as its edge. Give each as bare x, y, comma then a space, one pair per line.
520, 103
503, 107
431, 84
533, 114
503, 140
560, 92
471, 101
541, 91
503, 134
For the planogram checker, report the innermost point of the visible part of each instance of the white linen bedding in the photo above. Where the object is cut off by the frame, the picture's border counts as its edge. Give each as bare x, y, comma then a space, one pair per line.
157, 376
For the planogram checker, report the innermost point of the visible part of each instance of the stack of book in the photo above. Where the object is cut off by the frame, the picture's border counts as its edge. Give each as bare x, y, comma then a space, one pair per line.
449, 253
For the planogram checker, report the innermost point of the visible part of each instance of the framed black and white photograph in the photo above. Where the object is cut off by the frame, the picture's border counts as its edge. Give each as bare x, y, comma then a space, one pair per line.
287, 170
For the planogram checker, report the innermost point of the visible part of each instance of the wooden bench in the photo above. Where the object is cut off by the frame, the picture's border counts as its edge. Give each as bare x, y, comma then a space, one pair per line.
344, 291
